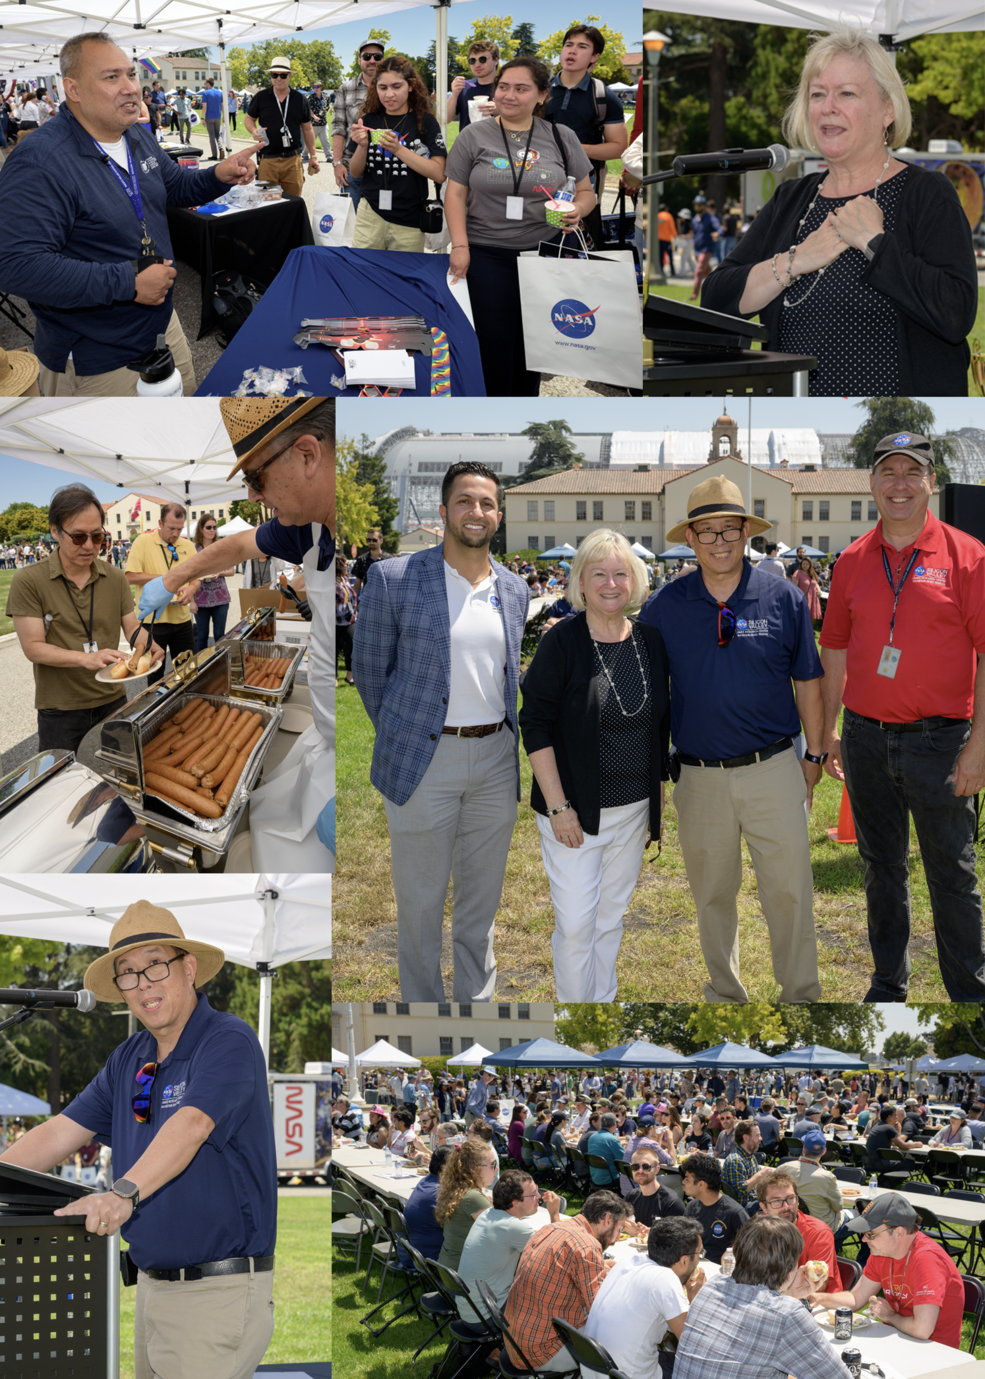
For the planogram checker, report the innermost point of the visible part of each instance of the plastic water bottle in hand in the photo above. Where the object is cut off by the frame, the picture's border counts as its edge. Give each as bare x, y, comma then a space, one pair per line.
567, 192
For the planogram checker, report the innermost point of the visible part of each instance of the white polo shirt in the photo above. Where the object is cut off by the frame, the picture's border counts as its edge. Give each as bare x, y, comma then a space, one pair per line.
477, 692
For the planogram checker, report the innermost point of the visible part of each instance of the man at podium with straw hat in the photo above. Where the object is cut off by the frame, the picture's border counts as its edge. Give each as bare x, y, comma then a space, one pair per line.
184, 1106
903, 630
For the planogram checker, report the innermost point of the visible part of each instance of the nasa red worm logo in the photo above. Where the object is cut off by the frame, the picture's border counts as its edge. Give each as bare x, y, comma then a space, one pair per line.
573, 318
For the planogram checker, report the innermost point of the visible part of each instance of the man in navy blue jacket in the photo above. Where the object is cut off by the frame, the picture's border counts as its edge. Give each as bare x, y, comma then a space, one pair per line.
94, 263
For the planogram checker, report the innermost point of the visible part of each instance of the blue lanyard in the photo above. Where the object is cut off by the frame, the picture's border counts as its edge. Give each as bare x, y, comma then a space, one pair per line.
896, 588
132, 189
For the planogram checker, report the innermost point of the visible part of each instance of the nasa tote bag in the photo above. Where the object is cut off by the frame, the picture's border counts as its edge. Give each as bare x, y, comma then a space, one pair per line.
333, 221
582, 319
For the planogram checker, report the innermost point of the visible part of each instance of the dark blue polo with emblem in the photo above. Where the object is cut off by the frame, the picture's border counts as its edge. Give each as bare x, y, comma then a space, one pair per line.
224, 1204
729, 701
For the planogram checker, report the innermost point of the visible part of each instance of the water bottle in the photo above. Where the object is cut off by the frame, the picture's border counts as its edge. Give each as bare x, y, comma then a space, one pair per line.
567, 193
873, 1185
158, 375
728, 1262
389, 1160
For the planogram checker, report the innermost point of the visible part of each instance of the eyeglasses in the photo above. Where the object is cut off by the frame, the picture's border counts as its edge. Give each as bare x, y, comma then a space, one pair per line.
129, 981
783, 1202
79, 538
642, 1168
211, 528
871, 1235
253, 479
708, 538
726, 624
141, 1102
483, 57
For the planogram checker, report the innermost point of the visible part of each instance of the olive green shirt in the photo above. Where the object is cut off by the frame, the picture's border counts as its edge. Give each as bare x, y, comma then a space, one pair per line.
457, 1227
42, 591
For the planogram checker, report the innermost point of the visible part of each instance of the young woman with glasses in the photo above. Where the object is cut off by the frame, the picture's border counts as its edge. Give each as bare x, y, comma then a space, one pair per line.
213, 597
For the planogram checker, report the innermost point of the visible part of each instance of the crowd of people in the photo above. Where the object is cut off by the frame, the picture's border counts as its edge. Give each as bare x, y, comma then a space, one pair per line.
730, 1182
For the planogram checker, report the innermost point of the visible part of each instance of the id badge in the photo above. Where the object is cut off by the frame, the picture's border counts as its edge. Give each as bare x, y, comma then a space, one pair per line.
88, 647
386, 201
514, 208
888, 662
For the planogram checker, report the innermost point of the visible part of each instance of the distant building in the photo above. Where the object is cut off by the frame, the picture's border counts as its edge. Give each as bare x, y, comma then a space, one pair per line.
427, 1029
123, 520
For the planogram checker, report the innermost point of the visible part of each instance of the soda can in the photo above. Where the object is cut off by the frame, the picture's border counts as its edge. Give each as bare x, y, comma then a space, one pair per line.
843, 1324
852, 1360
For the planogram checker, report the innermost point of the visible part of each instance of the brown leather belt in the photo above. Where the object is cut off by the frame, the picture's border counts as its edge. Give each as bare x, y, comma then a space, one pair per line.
477, 730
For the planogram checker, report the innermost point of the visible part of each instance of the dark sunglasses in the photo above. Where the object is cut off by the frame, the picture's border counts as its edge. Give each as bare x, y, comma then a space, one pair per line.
483, 57
98, 538
253, 480
141, 1102
642, 1168
211, 528
726, 624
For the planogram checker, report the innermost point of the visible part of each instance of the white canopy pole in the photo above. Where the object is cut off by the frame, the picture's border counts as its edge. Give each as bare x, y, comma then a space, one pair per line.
441, 64
226, 141
266, 974
356, 1097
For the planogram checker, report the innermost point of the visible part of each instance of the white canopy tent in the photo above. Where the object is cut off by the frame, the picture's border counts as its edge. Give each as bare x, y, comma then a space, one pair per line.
384, 1055
283, 918
901, 19
470, 1057
181, 453
234, 527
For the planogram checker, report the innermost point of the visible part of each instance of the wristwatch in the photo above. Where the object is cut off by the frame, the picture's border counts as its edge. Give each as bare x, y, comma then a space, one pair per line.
124, 1188
818, 761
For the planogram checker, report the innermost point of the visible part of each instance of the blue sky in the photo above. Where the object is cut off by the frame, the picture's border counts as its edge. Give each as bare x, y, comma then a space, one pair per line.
413, 30
21, 481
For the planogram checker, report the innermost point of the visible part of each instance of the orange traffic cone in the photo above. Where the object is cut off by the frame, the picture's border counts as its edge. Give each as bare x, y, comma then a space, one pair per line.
845, 832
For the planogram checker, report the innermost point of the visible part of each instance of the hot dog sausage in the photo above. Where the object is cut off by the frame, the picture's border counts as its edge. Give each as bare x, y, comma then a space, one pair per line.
175, 776
177, 794
224, 794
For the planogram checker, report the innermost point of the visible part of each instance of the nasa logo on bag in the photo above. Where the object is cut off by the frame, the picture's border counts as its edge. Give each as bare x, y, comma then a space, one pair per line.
573, 318
902, 440
326, 223
194, 118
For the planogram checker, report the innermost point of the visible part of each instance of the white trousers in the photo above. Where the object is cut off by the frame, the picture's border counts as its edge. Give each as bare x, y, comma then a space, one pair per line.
590, 890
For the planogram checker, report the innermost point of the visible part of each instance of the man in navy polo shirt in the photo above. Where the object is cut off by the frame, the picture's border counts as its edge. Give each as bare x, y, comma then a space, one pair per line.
184, 1106
735, 640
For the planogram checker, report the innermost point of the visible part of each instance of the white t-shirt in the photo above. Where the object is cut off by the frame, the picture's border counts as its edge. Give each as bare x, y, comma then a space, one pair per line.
117, 152
477, 693
630, 1313
492, 1252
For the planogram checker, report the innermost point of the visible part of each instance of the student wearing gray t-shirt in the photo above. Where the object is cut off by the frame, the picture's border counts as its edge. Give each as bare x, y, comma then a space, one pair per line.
500, 172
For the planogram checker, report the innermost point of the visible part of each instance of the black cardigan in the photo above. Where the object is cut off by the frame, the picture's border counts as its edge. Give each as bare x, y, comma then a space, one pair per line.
562, 709
926, 266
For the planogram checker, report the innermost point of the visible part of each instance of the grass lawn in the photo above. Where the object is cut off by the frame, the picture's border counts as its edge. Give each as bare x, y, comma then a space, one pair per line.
660, 958
358, 1356
6, 623
302, 1314
682, 291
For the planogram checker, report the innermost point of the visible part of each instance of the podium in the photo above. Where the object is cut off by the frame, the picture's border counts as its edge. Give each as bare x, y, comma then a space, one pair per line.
701, 353
59, 1284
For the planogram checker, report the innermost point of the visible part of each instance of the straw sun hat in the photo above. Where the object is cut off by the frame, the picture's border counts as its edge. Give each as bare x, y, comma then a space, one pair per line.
717, 497
140, 926
18, 370
252, 422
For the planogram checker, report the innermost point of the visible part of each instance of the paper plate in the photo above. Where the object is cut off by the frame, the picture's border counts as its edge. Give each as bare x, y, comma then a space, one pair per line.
104, 677
860, 1320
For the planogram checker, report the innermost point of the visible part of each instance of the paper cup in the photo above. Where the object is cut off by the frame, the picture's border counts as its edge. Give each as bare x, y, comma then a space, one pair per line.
554, 210
376, 135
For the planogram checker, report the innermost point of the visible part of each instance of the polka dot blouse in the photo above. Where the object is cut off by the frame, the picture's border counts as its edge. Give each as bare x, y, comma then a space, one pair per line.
624, 743
845, 322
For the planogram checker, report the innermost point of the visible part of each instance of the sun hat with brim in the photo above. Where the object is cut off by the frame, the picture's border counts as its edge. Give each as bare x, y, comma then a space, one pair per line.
143, 925
379, 1111
18, 370
280, 64
252, 422
716, 497
904, 443
889, 1209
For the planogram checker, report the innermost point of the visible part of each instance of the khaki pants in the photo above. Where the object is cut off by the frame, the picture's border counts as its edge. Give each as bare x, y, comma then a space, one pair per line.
765, 804
119, 382
373, 232
288, 173
216, 1327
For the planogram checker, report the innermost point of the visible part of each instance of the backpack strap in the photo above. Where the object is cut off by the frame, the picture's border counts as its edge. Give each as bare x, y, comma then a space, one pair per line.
560, 146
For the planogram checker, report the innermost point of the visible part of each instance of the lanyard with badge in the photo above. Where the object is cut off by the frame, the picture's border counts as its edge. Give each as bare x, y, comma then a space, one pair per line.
88, 645
890, 657
132, 189
385, 193
514, 203
285, 133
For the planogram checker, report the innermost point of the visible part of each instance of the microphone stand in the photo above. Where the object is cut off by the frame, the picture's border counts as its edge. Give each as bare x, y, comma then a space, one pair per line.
23, 1014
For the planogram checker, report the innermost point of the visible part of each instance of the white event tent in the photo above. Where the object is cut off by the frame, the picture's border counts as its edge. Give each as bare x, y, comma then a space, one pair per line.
384, 1055
470, 1057
901, 19
283, 918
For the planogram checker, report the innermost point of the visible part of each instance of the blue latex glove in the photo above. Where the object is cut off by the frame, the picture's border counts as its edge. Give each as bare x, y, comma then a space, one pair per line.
154, 598
325, 827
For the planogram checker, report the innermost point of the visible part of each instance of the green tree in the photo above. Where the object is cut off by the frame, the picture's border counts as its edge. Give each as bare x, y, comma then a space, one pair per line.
310, 62
898, 1047
254, 513
354, 506
754, 1024
382, 37
497, 27
552, 452
952, 75
888, 414
300, 1011
960, 1027
836, 1025
371, 469
23, 522
455, 52
524, 43
609, 66
666, 1025
589, 1028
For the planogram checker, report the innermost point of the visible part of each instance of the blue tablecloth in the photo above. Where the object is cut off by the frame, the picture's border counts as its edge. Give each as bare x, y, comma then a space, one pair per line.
318, 282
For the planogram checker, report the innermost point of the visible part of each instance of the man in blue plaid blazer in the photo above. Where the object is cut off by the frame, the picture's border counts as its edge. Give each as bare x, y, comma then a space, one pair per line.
436, 659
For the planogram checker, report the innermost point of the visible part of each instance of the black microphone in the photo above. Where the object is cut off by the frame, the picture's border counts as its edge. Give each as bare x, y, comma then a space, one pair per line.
733, 160
20, 996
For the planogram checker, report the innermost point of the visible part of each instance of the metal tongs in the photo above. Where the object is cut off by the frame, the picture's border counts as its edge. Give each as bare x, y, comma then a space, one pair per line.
303, 607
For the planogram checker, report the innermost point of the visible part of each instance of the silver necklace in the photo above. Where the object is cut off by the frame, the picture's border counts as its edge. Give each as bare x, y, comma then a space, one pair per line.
819, 272
612, 683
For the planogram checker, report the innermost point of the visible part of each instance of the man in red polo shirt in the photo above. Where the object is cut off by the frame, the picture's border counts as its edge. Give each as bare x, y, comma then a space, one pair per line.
904, 626
777, 1193
922, 1290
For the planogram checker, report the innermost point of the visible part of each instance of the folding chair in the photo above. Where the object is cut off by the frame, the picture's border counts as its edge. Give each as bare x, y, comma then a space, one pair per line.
467, 1337
946, 1169
525, 1370
974, 1302
597, 1161
435, 1304
848, 1174
974, 1236
953, 1242
791, 1147
850, 1271
894, 1178
589, 1354
579, 1171
394, 1266
350, 1226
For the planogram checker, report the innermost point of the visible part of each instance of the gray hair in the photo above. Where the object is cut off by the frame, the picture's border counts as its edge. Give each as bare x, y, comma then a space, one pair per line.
861, 47
319, 422
71, 53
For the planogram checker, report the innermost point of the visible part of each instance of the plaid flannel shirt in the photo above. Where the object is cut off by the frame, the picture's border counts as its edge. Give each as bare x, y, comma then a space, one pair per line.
735, 1170
559, 1273
778, 1336
349, 100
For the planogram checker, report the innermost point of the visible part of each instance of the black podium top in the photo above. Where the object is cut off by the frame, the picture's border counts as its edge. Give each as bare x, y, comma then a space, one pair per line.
23, 1192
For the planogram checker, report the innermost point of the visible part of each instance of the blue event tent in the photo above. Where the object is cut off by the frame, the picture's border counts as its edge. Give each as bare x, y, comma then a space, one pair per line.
640, 1054
15, 1103
542, 1053
817, 1056
729, 1055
